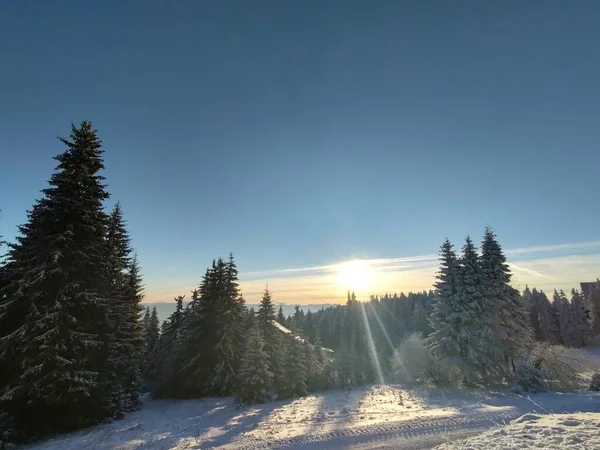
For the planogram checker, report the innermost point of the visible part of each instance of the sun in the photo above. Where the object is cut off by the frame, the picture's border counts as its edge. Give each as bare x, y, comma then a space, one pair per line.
355, 275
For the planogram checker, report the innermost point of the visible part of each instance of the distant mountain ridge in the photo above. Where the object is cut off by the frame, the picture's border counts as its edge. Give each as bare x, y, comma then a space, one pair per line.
165, 309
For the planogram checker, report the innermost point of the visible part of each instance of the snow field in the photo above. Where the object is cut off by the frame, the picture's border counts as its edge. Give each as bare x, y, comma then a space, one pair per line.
365, 417
549, 432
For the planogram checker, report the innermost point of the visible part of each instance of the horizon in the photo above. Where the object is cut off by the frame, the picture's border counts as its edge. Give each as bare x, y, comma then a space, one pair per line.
328, 145
560, 267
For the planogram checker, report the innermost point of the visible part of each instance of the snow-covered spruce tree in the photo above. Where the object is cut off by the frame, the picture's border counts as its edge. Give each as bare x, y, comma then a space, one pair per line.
549, 321
152, 334
457, 339
506, 314
557, 306
135, 341
126, 342
445, 320
271, 336
568, 329
530, 299
580, 319
53, 309
293, 383
188, 365
9, 360
229, 346
169, 348
212, 341
477, 351
281, 316
255, 377
146, 320
315, 366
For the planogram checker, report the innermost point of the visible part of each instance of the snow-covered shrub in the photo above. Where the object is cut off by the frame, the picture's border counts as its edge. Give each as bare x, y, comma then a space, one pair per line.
560, 368
529, 378
412, 362
595, 383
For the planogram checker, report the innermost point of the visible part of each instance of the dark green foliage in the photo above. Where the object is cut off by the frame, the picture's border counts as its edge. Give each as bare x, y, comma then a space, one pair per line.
280, 316
446, 318
53, 323
134, 339
211, 350
169, 348
255, 378
506, 313
271, 337
315, 366
152, 335
293, 383
126, 342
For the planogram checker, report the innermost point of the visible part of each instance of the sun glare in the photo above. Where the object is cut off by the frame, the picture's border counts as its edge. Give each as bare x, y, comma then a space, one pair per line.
355, 275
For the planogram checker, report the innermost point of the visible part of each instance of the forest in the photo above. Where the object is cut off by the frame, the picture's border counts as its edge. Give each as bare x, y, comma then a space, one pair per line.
77, 346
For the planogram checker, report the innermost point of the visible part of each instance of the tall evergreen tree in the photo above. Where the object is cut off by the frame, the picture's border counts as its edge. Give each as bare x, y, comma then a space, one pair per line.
281, 316
213, 334
531, 302
568, 327
229, 345
447, 319
580, 320
315, 366
169, 348
270, 335
127, 339
557, 307
146, 319
295, 376
152, 335
476, 345
53, 316
255, 376
134, 337
507, 315
548, 319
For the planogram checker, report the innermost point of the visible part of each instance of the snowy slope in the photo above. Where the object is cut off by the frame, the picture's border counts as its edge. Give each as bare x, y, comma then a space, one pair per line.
365, 418
551, 432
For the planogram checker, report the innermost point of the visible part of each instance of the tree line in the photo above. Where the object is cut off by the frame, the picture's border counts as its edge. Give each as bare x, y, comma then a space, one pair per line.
77, 347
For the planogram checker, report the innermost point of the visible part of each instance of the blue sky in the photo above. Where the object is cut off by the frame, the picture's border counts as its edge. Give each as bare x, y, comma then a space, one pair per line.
304, 134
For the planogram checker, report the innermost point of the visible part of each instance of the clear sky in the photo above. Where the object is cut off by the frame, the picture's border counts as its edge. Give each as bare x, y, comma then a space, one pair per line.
301, 134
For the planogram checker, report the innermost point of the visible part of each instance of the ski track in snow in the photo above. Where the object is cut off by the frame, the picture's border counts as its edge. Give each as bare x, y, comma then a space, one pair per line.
375, 417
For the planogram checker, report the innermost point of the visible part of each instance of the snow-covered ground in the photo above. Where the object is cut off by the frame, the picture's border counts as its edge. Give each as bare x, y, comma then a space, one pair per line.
550, 432
367, 418
377, 417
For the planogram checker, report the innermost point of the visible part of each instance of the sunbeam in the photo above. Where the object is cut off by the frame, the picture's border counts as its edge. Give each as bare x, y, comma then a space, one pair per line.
371, 343
384, 331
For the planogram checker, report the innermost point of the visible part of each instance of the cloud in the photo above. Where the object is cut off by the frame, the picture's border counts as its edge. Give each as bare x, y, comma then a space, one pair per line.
538, 267
417, 273
554, 248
